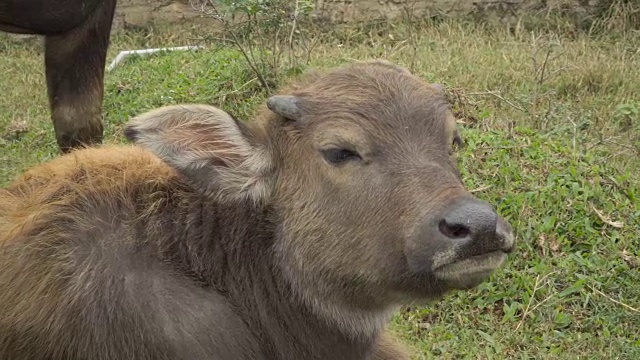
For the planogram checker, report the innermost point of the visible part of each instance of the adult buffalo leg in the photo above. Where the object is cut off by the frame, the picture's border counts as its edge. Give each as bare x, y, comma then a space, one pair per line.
75, 63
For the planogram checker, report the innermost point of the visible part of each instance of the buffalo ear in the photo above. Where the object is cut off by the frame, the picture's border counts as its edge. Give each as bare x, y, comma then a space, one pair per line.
207, 146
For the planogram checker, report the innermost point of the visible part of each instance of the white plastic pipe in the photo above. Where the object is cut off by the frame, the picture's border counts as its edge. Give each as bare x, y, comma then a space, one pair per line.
143, 52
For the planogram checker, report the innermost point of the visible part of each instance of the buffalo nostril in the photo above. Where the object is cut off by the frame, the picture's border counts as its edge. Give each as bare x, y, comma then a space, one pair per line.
453, 231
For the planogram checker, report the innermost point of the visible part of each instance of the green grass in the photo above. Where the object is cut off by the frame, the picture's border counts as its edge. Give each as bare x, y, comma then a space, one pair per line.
558, 157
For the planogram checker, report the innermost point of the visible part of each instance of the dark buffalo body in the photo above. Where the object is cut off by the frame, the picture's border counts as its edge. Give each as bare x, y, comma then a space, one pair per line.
76, 36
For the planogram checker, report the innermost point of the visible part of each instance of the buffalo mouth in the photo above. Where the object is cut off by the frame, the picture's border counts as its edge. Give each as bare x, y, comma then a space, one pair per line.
471, 271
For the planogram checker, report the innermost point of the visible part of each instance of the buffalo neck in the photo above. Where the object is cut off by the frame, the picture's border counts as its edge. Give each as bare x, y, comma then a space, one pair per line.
229, 248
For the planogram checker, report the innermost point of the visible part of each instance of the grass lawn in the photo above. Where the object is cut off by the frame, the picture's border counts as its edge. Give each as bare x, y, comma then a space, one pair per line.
552, 126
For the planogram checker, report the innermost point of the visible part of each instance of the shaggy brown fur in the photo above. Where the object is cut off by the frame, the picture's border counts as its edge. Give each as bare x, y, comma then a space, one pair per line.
289, 237
76, 41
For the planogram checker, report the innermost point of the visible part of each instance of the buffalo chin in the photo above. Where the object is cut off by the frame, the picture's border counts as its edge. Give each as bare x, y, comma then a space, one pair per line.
470, 272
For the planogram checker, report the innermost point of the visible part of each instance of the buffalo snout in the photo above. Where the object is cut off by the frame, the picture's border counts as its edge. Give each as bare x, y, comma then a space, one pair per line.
464, 244
475, 224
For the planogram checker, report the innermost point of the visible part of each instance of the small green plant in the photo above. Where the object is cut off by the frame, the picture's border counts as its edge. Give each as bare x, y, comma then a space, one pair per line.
267, 32
628, 114
628, 119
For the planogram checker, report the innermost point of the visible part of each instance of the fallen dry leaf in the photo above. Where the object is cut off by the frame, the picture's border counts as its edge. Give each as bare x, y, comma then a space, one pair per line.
16, 128
554, 245
606, 220
632, 260
542, 240
550, 243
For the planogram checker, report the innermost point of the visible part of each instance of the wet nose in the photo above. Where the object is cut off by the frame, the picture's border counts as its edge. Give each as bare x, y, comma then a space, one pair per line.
476, 224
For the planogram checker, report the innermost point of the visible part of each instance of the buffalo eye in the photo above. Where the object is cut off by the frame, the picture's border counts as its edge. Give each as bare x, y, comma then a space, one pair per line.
337, 156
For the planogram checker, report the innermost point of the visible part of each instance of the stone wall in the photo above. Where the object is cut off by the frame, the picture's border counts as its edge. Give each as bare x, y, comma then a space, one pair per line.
348, 10
141, 12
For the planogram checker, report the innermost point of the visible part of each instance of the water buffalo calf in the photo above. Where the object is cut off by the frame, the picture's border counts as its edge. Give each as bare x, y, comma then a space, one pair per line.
76, 41
293, 236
